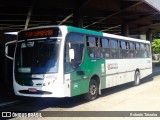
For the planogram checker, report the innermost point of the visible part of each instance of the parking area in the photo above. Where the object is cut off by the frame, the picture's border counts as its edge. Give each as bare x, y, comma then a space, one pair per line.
144, 97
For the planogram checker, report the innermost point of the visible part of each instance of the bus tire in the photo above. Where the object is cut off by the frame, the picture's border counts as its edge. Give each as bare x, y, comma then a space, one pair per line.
93, 90
136, 78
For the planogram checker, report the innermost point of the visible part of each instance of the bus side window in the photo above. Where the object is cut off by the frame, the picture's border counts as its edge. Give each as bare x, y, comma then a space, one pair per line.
114, 48
93, 47
127, 46
105, 51
124, 49
145, 51
137, 49
148, 50
132, 49
142, 51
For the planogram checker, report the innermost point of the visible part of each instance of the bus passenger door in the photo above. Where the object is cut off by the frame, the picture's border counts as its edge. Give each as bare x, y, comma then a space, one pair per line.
77, 70
74, 63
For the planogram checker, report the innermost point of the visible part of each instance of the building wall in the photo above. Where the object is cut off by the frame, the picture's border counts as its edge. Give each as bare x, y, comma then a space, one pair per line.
5, 67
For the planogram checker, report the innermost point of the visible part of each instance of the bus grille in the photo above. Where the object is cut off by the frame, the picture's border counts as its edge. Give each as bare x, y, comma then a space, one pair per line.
37, 92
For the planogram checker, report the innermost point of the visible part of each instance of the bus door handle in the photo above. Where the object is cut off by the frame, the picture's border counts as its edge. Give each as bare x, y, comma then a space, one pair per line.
80, 72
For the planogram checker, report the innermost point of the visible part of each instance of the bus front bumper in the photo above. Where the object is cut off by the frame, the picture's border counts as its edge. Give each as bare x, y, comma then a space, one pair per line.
54, 90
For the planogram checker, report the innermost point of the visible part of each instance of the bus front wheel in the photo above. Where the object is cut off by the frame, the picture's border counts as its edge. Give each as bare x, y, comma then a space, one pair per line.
93, 90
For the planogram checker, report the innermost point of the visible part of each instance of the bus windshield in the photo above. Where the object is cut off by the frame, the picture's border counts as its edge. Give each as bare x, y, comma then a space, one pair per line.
37, 56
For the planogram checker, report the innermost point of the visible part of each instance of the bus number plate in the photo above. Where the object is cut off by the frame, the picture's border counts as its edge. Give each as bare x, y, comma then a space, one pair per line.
32, 89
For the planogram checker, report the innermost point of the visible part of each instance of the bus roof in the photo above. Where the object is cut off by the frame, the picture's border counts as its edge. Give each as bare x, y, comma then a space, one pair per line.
90, 32
124, 38
84, 31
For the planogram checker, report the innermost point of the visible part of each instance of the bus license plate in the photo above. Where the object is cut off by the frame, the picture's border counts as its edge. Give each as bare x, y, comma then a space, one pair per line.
32, 89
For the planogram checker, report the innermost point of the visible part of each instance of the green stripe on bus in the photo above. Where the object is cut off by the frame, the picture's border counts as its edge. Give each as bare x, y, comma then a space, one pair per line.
90, 67
84, 31
24, 79
80, 83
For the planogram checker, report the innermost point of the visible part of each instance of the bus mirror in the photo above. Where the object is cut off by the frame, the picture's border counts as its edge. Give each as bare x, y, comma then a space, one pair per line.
9, 52
6, 50
69, 45
71, 54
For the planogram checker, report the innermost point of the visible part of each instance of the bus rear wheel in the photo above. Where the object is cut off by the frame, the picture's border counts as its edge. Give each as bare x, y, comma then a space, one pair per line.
93, 90
136, 78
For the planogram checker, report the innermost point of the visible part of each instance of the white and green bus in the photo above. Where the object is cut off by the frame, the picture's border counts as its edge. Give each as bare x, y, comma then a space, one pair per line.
65, 61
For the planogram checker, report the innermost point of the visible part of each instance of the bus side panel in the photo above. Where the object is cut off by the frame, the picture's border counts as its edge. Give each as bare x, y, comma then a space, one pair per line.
145, 66
97, 68
120, 71
80, 83
79, 87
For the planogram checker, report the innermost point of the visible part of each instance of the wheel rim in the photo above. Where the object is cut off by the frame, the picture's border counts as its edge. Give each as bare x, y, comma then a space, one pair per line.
93, 89
137, 78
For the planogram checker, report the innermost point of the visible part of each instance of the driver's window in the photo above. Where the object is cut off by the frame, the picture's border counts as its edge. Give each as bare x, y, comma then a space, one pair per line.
74, 41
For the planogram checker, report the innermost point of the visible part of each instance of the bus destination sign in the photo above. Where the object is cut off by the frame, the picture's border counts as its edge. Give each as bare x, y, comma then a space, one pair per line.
38, 33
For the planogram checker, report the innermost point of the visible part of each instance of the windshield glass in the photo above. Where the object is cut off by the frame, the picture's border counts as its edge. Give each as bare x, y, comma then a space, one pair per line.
37, 56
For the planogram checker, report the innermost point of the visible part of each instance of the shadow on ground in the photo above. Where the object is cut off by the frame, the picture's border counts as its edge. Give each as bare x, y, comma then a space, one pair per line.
39, 104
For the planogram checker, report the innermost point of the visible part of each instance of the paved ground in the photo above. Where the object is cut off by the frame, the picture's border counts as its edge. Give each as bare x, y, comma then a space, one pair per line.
145, 97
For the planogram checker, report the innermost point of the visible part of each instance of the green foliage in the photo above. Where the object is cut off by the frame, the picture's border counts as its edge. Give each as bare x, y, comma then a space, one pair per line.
156, 46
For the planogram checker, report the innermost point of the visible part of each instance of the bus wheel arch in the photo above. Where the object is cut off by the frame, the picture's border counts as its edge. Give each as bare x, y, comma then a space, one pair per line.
93, 88
137, 77
97, 78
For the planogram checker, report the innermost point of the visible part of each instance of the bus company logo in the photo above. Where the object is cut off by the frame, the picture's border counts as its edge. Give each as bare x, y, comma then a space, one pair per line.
112, 66
6, 114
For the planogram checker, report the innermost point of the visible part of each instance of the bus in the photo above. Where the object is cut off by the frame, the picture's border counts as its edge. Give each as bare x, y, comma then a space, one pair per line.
65, 61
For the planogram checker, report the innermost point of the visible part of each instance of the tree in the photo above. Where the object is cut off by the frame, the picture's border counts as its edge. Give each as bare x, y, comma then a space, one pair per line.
156, 46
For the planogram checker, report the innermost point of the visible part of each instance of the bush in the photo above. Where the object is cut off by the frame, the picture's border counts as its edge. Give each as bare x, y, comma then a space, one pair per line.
156, 46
